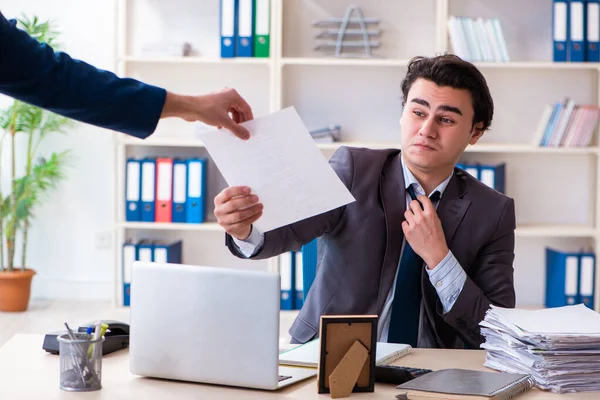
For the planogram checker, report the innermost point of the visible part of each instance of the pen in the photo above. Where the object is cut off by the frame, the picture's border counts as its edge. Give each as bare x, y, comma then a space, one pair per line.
82, 355
75, 363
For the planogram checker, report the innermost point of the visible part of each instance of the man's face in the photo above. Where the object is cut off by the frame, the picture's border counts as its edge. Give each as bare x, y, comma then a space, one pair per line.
436, 125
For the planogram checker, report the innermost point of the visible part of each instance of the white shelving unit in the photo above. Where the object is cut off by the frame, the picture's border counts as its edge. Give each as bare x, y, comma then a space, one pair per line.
364, 97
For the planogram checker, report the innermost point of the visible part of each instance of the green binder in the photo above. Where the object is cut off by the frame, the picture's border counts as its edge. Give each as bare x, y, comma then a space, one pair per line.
262, 28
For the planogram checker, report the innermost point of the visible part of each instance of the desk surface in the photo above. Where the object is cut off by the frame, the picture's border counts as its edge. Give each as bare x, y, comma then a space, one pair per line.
27, 372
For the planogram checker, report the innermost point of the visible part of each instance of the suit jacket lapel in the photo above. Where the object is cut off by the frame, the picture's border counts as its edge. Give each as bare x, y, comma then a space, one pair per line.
393, 194
452, 207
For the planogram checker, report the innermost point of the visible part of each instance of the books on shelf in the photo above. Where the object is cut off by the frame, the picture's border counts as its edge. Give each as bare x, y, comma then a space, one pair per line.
478, 39
566, 124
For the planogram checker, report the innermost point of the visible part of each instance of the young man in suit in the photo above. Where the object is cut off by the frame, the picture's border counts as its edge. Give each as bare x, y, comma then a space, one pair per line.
425, 246
32, 72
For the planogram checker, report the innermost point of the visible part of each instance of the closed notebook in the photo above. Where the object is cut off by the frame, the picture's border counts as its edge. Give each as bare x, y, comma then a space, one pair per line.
463, 384
307, 355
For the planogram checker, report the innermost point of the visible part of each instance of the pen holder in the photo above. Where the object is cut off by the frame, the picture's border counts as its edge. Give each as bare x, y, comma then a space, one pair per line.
80, 362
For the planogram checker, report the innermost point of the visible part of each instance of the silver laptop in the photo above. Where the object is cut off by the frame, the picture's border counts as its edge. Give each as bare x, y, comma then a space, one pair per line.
207, 324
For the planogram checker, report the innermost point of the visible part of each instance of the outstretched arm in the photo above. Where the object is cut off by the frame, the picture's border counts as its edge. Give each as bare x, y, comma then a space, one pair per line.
34, 73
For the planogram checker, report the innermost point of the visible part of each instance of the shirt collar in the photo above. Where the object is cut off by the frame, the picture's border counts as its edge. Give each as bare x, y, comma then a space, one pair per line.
409, 179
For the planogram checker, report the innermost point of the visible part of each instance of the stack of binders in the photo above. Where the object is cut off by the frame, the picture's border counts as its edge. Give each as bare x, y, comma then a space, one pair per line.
165, 190
297, 270
147, 251
245, 28
576, 30
569, 278
491, 175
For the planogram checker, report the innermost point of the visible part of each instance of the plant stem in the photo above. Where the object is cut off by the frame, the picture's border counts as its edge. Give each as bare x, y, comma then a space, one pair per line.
1, 219
28, 167
11, 233
24, 255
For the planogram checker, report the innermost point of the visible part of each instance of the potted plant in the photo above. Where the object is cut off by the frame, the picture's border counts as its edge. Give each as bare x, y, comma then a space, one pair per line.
23, 128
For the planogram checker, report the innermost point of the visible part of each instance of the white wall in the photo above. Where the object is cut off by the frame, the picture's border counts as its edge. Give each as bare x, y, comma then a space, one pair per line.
65, 240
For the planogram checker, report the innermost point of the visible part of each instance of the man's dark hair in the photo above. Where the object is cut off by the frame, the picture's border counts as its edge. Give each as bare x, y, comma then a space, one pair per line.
450, 70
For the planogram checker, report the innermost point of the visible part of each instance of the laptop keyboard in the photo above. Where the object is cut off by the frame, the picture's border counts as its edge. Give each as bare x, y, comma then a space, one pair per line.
283, 377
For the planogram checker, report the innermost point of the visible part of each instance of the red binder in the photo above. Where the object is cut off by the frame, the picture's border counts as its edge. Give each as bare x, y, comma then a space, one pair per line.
164, 189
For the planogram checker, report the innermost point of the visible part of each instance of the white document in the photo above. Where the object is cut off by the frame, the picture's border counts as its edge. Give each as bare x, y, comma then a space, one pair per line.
307, 355
567, 320
282, 165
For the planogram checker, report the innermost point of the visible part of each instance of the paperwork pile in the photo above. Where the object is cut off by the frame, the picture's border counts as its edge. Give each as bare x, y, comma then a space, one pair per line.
559, 347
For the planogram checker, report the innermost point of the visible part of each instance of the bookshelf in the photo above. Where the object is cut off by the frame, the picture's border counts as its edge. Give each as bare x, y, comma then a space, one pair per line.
556, 190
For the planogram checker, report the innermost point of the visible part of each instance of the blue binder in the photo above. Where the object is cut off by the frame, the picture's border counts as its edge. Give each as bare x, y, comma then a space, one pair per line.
309, 265
592, 31
228, 28
587, 274
179, 191
129, 255
133, 204
245, 31
493, 176
196, 190
577, 30
148, 191
168, 253
298, 281
286, 271
473, 170
145, 251
562, 278
560, 30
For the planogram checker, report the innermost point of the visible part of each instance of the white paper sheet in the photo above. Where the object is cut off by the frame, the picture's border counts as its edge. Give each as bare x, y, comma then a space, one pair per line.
577, 319
282, 165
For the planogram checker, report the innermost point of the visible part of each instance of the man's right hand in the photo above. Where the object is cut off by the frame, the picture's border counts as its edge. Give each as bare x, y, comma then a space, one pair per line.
236, 210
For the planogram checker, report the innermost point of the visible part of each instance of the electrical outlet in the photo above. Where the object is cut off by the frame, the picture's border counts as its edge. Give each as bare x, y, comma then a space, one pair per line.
103, 240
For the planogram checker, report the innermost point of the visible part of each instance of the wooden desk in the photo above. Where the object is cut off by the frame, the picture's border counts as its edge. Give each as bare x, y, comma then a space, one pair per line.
27, 372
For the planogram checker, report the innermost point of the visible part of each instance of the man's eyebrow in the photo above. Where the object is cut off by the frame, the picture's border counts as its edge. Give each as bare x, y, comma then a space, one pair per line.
450, 109
422, 102
443, 107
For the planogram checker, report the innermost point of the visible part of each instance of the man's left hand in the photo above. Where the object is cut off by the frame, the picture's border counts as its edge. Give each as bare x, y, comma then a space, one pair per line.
423, 231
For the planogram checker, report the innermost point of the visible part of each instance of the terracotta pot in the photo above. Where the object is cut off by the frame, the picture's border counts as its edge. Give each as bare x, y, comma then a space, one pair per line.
15, 288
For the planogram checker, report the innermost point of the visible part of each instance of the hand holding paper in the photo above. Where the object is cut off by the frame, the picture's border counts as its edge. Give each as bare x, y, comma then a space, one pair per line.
236, 210
283, 167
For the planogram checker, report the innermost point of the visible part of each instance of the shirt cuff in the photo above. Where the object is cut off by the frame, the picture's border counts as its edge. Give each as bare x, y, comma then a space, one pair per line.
448, 279
252, 244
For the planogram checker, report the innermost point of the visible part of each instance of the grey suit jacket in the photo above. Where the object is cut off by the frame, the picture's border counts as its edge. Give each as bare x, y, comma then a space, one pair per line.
359, 249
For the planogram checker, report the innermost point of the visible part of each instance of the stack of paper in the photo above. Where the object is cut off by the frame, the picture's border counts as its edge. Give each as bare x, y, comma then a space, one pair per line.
559, 347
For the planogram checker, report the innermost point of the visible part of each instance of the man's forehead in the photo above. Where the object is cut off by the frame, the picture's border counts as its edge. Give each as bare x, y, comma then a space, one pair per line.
436, 95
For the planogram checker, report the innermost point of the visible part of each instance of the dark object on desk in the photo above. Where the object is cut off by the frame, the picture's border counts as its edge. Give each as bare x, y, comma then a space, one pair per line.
397, 375
457, 384
115, 338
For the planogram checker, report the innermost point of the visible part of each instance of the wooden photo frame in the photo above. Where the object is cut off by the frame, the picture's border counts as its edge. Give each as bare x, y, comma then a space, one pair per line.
347, 355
